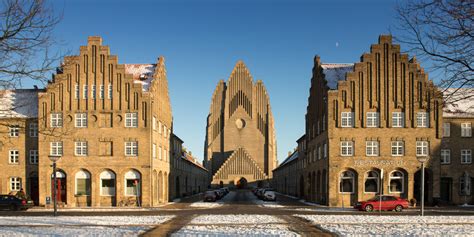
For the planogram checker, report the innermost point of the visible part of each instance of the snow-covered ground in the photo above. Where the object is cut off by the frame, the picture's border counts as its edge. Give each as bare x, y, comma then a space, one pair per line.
372, 225
79, 225
236, 225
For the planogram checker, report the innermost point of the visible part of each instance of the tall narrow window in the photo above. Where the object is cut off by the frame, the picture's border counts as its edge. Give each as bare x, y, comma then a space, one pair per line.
445, 156
466, 156
372, 119
84, 92
397, 119
93, 87
153, 152
422, 148
347, 148
372, 148
131, 148
320, 154
153, 123
14, 156
76, 92
56, 120
165, 131
33, 129
397, 148
160, 155
109, 93
325, 150
422, 120
33, 157
466, 130
159, 127
446, 129
131, 120
81, 120
101, 92
165, 158
80, 148
56, 148
347, 119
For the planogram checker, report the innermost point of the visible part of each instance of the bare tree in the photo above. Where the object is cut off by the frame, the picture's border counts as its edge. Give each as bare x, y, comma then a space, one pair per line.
25, 42
441, 32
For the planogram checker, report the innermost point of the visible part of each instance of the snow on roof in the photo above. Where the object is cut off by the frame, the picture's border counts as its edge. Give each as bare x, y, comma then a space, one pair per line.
21, 103
289, 159
335, 72
460, 104
142, 73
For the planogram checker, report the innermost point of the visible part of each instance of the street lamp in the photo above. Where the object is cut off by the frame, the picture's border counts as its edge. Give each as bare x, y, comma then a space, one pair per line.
422, 160
54, 158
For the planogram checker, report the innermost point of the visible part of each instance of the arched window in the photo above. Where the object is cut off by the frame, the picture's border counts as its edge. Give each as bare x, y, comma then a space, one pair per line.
371, 184
396, 182
83, 183
132, 183
346, 182
107, 183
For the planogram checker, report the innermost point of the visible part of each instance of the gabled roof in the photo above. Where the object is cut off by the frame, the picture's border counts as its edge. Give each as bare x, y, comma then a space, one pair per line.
142, 73
335, 72
289, 159
20, 103
460, 104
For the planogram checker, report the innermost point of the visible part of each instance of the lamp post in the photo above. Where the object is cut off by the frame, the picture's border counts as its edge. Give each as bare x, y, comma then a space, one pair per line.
422, 160
54, 158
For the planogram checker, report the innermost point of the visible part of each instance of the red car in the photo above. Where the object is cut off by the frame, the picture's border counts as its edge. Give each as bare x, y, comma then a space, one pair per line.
388, 203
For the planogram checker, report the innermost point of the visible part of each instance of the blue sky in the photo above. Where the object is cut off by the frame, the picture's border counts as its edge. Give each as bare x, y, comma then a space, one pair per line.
203, 40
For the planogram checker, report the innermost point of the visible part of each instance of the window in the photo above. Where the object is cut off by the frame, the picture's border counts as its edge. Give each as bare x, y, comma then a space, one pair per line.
101, 92
372, 148
132, 182
422, 148
159, 127
466, 130
320, 152
81, 120
165, 155
131, 120
371, 184
445, 156
165, 131
14, 156
347, 148
84, 92
56, 148
106, 148
153, 123
422, 120
160, 155
33, 129
14, 131
398, 120
372, 119
83, 183
56, 120
80, 148
109, 93
131, 148
346, 120
396, 182
154, 151
324, 122
346, 182
465, 185
33, 157
397, 148
446, 129
76, 91
466, 156
107, 183
15, 184
93, 87
325, 150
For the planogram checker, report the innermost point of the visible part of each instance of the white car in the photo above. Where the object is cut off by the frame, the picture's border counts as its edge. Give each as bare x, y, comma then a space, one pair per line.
269, 196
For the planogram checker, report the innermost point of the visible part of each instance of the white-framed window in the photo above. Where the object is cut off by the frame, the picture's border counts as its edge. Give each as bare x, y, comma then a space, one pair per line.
15, 183
107, 183
422, 120
371, 184
325, 150
56, 120
85, 91
466, 156
131, 148
81, 120
346, 182
347, 119
76, 92
397, 148
159, 127
371, 148
34, 157
83, 183
154, 151
80, 148
93, 90
131, 120
109, 92
446, 129
398, 119
347, 148
466, 130
14, 157
422, 148
445, 156
14, 131
396, 182
56, 148
33, 129
132, 183
153, 123
372, 119
101, 92
160, 155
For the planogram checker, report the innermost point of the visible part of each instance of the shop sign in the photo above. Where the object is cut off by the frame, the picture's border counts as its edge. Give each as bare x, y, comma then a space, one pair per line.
379, 163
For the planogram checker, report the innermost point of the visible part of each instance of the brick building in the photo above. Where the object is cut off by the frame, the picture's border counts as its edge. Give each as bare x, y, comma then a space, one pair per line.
240, 144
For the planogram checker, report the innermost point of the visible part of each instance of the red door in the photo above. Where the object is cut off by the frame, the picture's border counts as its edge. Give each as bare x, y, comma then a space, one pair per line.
60, 189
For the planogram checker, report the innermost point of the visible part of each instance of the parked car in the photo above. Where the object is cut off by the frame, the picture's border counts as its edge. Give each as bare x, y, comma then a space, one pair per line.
261, 192
388, 203
13, 203
269, 195
219, 193
210, 196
